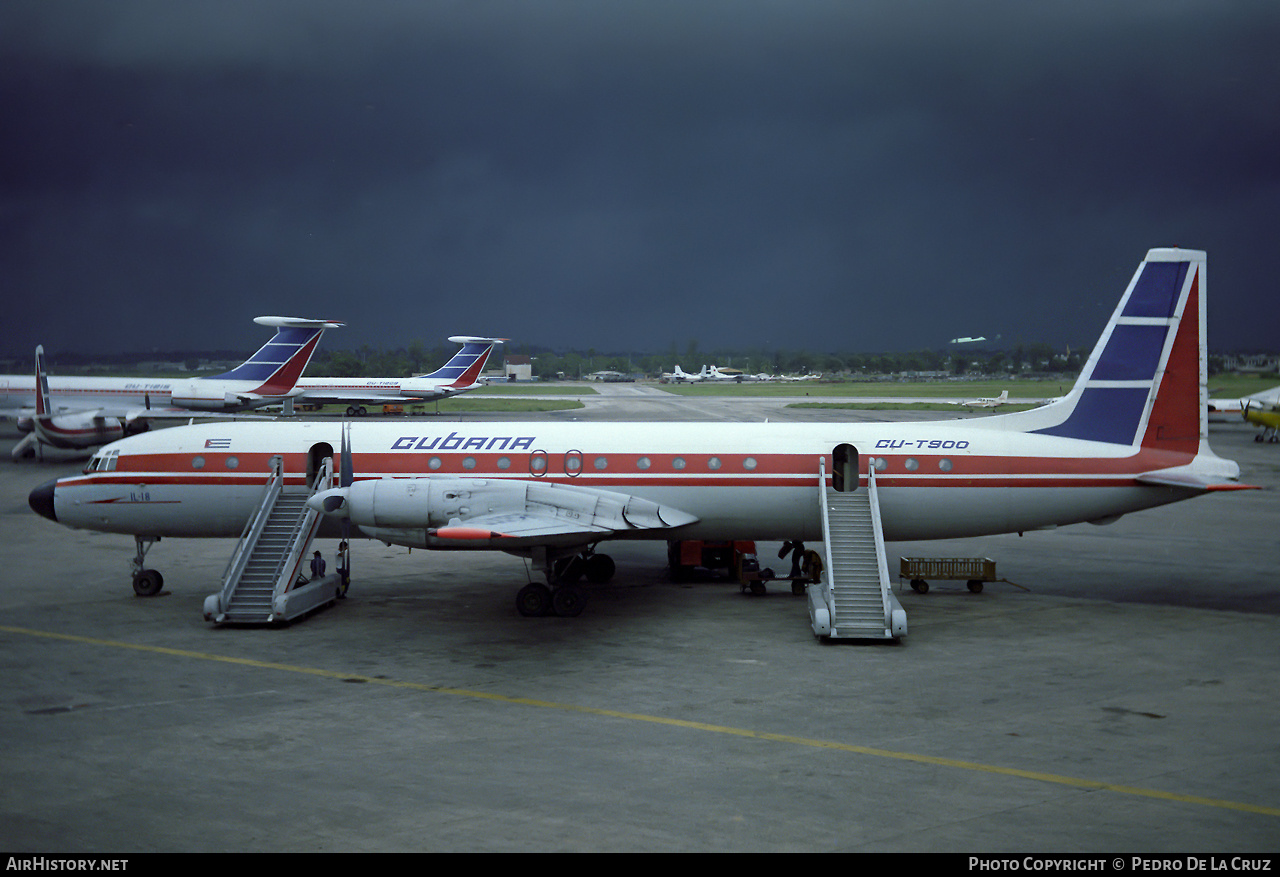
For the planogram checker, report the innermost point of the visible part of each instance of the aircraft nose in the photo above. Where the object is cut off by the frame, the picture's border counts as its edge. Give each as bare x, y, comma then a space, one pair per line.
41, 499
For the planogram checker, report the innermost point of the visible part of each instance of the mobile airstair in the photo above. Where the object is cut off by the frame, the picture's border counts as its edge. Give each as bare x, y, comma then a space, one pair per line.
853, 599
268, 579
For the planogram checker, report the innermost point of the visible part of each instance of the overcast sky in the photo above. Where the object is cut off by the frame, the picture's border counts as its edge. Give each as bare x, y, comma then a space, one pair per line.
832, 175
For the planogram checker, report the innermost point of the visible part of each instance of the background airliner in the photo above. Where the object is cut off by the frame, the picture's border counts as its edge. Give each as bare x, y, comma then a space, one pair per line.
460, 374
83, 412
1130, 435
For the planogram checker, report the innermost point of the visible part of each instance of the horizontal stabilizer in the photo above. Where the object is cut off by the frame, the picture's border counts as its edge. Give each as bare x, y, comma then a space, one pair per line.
1190, 482
298, 323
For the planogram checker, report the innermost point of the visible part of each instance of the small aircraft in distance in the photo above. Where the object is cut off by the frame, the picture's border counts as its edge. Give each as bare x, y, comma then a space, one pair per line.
987, 401
1267, 418
460, 374
1130, 435
84, 412
1224, 410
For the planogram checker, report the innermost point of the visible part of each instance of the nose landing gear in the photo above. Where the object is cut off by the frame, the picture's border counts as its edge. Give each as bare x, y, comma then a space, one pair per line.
146, 582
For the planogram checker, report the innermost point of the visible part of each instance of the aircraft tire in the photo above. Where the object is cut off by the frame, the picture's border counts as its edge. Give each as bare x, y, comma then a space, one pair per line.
533, 600
600, 568
567, 602
567, 570
147, 583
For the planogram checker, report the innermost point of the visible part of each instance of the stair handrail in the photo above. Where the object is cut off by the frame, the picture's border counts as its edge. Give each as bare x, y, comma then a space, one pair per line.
252, 530
882, 563
307, 522
827, 566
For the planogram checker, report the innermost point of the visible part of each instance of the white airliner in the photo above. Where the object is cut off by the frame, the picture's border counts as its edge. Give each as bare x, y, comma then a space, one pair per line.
729, 374
460, 374
1130, 435
679, 375
83, 412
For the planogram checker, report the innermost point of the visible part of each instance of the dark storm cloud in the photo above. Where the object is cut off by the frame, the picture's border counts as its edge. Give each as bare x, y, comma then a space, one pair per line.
836, 175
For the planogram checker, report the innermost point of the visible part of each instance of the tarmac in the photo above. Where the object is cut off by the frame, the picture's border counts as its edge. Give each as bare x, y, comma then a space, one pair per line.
1117, 694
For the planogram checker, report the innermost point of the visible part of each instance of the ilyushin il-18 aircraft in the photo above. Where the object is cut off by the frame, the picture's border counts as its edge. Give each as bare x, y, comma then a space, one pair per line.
84, 412
1130, 435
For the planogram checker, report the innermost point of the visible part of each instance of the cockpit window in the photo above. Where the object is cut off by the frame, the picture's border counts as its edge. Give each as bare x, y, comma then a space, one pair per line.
103, 461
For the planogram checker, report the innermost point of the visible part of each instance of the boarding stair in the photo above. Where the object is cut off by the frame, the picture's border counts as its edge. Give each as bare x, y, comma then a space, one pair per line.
854, 598
267, 579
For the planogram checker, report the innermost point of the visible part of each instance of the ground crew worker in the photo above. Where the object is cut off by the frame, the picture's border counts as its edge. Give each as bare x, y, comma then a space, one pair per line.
344, 567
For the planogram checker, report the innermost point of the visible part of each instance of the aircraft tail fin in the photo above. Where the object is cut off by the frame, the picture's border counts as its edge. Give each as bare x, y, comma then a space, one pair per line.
465, 366
43, 405
1145, 384
278, 364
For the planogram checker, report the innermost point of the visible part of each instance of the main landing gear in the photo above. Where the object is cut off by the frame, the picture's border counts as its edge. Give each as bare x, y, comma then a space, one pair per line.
561, 595
146, 582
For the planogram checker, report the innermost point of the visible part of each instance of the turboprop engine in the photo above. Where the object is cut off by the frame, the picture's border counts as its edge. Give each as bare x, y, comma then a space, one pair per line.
81, 430
490, 513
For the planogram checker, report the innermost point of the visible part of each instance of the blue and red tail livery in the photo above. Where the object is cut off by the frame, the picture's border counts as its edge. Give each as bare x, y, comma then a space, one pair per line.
464, 367
1142, 384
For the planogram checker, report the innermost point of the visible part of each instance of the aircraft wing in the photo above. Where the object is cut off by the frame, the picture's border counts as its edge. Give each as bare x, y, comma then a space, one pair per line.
492, 513
519, 528
141, 415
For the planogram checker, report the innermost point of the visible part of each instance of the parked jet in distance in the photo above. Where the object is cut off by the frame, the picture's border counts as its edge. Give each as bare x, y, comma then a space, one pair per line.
680, 376
83, 412
729, 374
1130, 435
1227, 410
460, 374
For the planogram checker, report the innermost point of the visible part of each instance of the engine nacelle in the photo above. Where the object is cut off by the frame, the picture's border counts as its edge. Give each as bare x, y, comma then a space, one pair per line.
202, 394
84, 430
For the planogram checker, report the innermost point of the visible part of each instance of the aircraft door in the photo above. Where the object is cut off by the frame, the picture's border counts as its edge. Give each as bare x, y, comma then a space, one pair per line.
315, 457
844, 468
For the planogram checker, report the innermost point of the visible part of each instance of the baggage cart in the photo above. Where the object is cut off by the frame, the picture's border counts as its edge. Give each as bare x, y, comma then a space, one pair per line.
972, 570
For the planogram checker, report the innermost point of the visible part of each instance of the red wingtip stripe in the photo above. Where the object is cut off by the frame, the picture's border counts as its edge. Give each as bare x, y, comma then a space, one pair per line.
467, 533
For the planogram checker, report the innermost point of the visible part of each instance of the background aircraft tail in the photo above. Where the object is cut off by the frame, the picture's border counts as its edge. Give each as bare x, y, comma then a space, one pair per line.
77, 429
464, 368
278, 364
42, 384
1145, 384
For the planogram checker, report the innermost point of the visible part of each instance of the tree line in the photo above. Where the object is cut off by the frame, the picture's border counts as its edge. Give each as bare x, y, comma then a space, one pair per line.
548, 364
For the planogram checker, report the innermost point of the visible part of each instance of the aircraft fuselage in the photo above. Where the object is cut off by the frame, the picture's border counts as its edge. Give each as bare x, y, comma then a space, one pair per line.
935, 480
